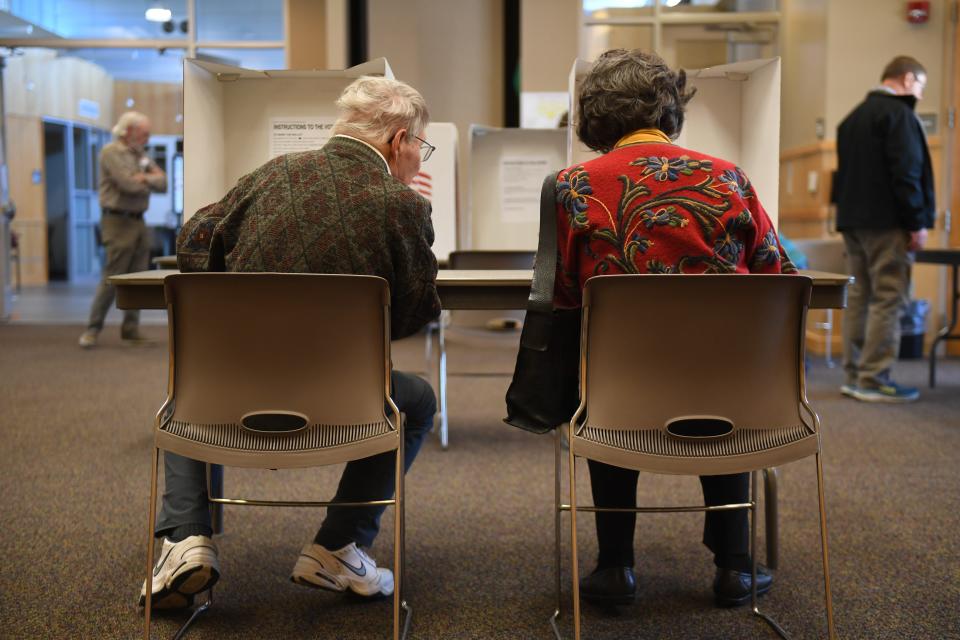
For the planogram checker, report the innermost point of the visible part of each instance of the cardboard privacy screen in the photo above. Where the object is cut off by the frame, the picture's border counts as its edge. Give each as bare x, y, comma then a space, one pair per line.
236, 119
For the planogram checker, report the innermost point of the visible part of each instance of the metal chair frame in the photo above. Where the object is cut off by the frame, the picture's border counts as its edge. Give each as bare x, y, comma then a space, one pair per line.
468, 259
266, 449
573, 433
825, 254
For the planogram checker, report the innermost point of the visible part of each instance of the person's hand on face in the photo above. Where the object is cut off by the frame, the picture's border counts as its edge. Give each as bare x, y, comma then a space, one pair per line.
137, 137
404, 158
915, 83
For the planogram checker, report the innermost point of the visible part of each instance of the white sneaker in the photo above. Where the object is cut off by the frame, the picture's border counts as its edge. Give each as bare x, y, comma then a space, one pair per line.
88, 339
346, 568
184, 569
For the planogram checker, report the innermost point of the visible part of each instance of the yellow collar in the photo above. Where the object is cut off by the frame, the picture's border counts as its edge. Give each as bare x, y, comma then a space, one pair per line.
642, 135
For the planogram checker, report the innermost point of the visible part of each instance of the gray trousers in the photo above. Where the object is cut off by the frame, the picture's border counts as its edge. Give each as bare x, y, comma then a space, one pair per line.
127, 241
879, 261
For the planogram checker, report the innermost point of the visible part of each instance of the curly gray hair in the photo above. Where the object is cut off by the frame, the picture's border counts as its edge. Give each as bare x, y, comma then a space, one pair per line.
127, 120
630, 90
374, 109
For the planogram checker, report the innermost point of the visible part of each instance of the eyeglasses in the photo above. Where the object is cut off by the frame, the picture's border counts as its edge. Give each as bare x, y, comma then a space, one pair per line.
426, 149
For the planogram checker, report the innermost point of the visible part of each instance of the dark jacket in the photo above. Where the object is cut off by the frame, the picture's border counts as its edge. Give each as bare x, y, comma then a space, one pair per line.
334, 210
884, 177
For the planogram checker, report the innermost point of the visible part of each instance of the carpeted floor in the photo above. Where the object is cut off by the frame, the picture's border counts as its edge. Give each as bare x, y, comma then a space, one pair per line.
75, 431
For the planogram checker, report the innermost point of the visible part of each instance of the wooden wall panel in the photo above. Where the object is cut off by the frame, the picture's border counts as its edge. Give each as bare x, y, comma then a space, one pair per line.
161, 102
25, 149
42, 84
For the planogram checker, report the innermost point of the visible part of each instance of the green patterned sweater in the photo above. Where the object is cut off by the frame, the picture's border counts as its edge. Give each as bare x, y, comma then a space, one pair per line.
333, 210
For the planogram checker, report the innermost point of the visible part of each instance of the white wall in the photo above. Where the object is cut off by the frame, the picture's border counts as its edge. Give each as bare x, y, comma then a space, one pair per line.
804, 51
452, 52
863, 36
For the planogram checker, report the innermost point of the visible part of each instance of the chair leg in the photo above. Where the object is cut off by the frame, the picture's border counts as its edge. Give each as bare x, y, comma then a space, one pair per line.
442, 383
828, 343
555, 618
398, 541
573, 544
771, 479
152, 521
828, 597
753, 555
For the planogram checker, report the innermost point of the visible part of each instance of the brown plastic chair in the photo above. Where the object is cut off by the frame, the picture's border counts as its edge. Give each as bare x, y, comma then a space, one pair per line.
274, 371
480, 328
693, 375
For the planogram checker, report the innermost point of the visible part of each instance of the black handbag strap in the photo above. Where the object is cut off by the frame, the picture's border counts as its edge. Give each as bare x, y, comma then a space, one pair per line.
539, 319
545, 267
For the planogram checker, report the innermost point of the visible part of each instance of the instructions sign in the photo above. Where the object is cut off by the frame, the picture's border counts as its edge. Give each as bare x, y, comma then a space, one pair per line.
520, 180
290, 135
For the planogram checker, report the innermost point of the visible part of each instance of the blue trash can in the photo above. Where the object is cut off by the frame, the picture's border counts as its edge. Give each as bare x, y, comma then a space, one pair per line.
913, 325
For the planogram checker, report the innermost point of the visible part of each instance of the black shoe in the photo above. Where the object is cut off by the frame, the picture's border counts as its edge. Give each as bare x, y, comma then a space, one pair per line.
613, 585
731, 588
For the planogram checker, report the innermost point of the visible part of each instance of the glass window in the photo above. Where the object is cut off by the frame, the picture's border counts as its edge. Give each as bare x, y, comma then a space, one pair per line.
600, 38
232, 20
701, 46
152, 65
98, 19
81, 168
711, 6
260, 59
603, 9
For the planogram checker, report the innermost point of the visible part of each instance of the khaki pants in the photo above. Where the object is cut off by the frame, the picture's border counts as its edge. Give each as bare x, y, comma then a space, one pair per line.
880, 262
127, 242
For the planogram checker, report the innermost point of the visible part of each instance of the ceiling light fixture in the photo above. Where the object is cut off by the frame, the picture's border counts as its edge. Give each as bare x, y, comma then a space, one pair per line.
158, 14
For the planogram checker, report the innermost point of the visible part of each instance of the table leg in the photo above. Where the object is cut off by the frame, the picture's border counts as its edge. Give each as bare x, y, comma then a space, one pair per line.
944, 333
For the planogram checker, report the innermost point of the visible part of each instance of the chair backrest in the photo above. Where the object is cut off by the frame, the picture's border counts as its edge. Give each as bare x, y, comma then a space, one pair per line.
658, 347
307, 344
494, 259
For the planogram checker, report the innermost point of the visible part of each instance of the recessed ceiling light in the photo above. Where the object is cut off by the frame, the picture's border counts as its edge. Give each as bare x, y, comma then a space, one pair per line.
158, 14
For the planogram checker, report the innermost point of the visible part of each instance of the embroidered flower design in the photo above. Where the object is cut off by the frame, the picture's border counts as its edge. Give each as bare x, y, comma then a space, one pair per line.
730, 180
666, 216
659, 266
769, 251
728, 246
572, 189
664, 168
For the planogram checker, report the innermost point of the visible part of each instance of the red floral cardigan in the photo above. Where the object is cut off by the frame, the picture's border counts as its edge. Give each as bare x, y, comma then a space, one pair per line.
650, 206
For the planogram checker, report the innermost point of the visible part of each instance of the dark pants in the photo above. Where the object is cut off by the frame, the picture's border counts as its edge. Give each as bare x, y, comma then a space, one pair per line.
374, 478
724, 532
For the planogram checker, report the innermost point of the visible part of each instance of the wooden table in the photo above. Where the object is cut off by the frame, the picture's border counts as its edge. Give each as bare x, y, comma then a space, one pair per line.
950, 258
458, 289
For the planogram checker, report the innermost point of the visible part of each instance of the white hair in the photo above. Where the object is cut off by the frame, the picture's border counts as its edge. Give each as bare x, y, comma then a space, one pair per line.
374, 108
127, 120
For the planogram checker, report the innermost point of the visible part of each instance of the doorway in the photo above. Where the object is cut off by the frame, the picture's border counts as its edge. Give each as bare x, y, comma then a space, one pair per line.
56, 170
70, 154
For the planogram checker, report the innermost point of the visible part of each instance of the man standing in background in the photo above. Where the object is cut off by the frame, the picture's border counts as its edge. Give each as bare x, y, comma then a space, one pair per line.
127, 176
885, 204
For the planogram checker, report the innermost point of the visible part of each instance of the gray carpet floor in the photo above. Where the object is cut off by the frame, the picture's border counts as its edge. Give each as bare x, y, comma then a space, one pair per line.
76, 427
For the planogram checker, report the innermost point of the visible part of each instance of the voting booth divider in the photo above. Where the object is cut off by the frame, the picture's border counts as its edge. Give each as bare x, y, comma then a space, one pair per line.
507, 168
735, 115
235, 119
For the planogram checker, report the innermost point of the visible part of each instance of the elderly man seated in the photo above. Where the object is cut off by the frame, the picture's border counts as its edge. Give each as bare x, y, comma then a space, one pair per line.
346, 208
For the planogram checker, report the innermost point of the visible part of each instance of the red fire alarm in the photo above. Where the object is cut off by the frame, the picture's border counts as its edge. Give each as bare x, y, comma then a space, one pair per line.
918, 12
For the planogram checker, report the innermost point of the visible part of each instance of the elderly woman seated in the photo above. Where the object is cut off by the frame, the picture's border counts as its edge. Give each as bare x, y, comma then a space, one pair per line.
649, 206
